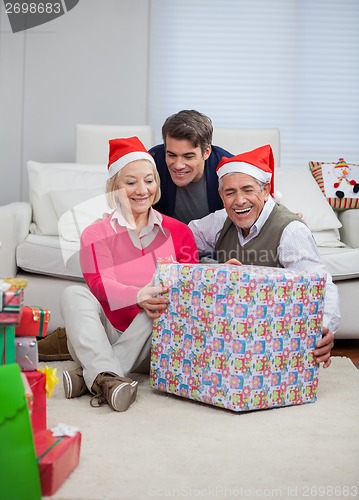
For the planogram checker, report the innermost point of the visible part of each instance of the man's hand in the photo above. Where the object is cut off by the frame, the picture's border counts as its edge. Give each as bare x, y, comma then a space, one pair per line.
148, 299
234, 262
323, 348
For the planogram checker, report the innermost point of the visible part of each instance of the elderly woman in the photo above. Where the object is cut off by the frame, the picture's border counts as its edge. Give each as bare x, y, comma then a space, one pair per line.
109, 325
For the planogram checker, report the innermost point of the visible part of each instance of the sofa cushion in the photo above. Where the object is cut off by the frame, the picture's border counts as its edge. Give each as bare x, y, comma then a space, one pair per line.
46, 178
328, 238
66, 200
92, 140
300, 193
349, 232
342, 263
77, 209
75, 216
49, 255
337, 177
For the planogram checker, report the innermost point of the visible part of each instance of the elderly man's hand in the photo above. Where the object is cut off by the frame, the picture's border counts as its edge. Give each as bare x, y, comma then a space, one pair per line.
234, 262
323, 348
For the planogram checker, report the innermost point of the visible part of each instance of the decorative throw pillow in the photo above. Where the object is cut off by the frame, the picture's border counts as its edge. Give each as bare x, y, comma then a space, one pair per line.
47, 178
73, 221
338, 181
292, 183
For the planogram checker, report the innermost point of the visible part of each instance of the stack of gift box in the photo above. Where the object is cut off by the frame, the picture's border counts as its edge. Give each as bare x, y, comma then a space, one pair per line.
33, 323
55, 456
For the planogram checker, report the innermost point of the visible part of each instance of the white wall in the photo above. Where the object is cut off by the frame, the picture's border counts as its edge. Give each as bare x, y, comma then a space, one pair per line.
87, 66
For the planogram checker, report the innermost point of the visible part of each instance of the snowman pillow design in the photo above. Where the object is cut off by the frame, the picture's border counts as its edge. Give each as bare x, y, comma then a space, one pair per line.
338, 181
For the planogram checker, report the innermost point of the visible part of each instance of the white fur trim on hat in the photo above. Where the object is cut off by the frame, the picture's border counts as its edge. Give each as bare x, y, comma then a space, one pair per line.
124, 160
244, 168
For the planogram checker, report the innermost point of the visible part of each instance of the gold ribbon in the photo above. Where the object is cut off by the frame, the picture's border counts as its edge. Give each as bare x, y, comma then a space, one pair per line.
17, 283
38, 313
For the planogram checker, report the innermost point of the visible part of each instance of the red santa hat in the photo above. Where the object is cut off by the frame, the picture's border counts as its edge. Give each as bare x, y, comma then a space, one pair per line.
258, 163
123, 151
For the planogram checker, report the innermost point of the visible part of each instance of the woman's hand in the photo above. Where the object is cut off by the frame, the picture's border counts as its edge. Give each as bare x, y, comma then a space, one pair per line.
149, 299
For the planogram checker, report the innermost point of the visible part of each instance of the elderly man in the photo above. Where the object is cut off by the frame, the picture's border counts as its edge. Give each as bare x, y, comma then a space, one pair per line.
253, 229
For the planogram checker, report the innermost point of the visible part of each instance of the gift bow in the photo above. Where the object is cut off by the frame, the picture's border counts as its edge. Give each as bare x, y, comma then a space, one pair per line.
4, 286
64, 430
16, 283
51, 379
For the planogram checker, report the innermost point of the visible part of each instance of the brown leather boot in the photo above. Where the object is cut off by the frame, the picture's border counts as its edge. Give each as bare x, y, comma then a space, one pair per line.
54, 346
74, 383
118, 392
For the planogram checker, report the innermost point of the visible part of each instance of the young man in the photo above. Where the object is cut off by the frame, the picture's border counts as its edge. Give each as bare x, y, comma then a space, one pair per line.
252, 229
187, 162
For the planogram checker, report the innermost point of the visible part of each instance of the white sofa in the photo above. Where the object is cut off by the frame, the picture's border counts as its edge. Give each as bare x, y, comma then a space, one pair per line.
40, 238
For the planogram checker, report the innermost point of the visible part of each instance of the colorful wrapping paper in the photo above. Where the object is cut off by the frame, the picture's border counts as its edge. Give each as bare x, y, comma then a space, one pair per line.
11, 303
10, 311
57, 458
34, 322
37, 382
241, 338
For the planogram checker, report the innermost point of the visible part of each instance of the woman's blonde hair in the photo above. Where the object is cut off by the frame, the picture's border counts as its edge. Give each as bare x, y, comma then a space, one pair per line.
111, 188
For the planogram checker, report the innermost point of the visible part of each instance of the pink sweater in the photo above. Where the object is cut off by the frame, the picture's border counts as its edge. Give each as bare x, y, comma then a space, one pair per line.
115, 270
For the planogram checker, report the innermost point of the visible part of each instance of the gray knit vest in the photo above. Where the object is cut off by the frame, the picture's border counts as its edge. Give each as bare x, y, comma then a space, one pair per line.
261, 250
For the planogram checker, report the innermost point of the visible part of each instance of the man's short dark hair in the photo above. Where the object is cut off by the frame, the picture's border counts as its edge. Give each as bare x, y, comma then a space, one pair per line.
190, 125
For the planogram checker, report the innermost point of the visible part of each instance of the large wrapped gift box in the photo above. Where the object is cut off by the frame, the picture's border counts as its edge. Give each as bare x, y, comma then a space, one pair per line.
238, 337
34, 322
37, 382
57, 458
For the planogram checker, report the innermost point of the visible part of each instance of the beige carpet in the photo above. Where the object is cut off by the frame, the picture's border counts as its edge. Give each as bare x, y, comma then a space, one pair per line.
168, 447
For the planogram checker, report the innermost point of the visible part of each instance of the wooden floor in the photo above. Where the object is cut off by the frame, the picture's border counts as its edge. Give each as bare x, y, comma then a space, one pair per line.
348, 348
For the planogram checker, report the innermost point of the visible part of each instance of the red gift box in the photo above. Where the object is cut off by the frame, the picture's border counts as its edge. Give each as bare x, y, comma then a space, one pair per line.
10, 306
34, 322
37, 381
57, 458
28, 393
